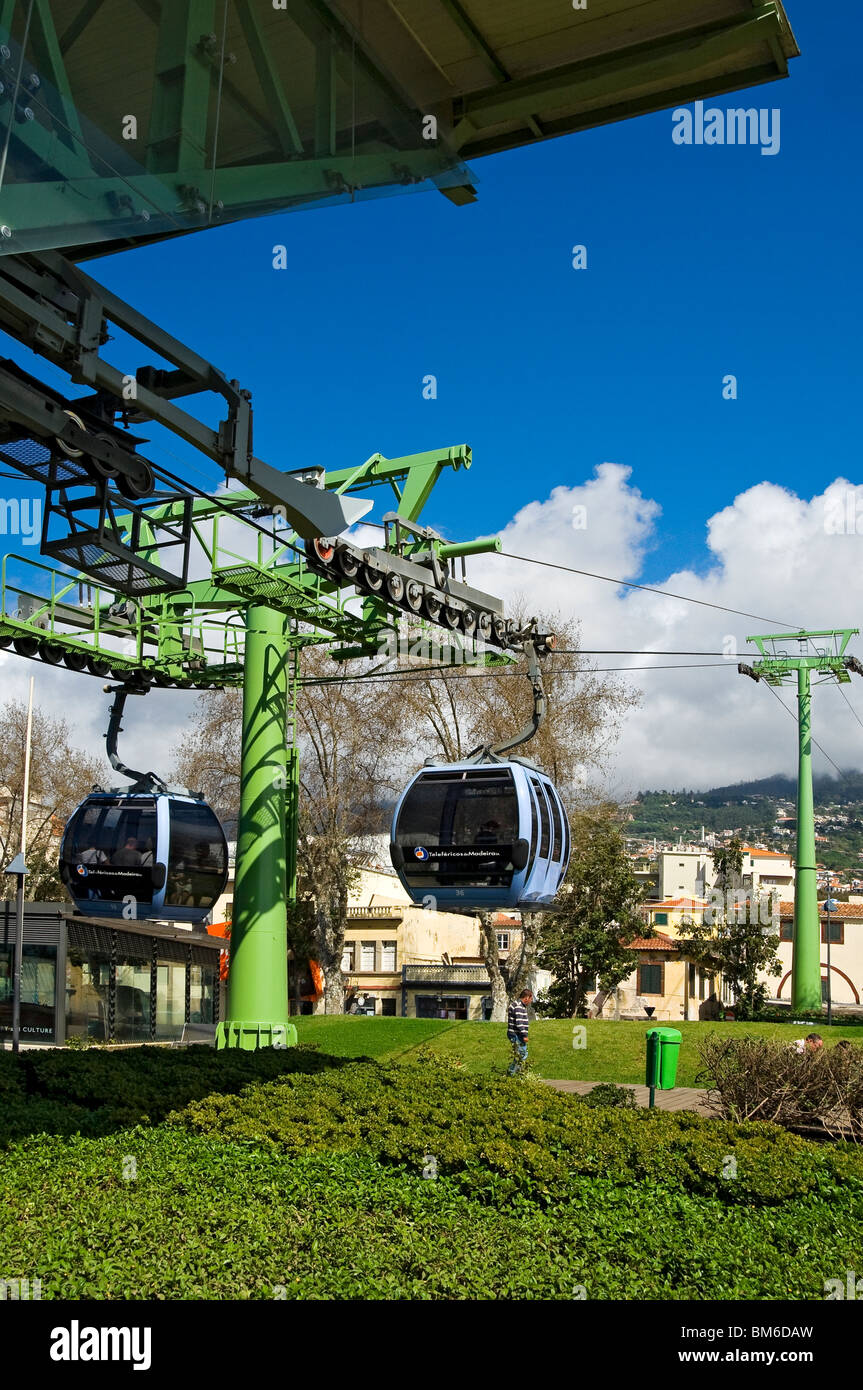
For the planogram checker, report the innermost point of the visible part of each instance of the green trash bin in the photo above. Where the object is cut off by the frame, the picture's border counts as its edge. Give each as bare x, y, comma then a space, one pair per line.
663, 1050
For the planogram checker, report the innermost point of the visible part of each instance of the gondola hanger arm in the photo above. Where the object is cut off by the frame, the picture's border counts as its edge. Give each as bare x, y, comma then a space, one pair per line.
533, 647
142, 781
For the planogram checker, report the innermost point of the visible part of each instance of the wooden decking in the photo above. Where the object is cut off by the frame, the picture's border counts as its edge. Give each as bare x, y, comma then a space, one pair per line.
681, 1098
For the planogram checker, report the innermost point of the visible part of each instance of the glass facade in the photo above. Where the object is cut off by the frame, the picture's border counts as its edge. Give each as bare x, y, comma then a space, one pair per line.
170, 1001
38, 988
132, 1003
202, 991
112, 985
88, 981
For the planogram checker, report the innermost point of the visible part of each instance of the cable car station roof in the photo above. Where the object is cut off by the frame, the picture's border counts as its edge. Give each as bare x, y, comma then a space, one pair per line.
125, 121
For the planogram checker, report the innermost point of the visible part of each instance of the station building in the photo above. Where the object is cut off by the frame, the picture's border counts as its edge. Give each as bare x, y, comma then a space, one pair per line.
108, 981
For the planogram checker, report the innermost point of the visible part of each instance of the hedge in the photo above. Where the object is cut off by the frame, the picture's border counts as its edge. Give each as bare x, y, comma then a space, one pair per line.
511, 1139
95, 1091
211, 1219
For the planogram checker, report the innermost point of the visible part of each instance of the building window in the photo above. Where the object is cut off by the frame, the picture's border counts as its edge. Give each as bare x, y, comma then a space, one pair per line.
650, 979
348, 957
132, 1001
202, 991
837, 932
660, 919
786, 931
367, 956
170, 1000
503, 941
87, 983
388, 955
437, 1006
38, 989
691, 980
388, 1008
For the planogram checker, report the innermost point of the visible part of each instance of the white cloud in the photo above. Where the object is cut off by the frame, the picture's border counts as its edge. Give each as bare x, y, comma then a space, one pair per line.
769, 552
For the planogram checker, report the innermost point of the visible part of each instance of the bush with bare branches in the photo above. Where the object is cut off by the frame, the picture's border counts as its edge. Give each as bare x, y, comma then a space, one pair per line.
753, 1078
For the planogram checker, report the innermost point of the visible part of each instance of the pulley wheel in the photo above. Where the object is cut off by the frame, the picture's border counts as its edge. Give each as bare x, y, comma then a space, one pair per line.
468, 621
76, 661
432, 605
484, 626
348, 562
414, 596
499, 629
395, 587
65, 448
373, 579
451, 617
53, 655
324, 549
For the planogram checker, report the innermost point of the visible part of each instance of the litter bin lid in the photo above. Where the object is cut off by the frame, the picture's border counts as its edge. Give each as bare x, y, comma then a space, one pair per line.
671, 1035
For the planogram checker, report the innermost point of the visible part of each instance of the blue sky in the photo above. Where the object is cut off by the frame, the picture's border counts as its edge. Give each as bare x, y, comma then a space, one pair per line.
702, 261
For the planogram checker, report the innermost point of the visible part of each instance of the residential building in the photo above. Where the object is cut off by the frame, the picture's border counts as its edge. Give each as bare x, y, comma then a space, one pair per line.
846, 953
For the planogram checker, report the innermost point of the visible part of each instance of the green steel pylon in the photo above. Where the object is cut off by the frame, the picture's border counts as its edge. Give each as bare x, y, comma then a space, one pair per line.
824, 653
258, 981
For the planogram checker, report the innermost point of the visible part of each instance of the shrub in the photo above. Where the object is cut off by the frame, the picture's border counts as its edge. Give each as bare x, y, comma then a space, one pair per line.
497, 1139
92, 1091
607, 1096
764, 1079
207, 1219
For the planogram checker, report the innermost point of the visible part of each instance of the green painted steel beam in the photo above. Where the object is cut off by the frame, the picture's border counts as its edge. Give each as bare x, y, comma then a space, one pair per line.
177, 137
87, 12
57, 95
271, 83
777, 666
806, 951
32, 209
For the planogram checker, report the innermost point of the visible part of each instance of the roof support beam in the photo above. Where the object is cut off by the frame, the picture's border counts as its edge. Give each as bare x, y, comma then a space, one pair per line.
269, 79
88, 11
591, 79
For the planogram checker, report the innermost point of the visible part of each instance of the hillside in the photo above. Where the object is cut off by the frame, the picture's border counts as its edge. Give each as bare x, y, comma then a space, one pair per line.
762, 810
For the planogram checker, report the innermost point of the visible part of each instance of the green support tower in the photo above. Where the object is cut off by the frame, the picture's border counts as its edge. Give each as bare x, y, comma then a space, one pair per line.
824, 653
258, 987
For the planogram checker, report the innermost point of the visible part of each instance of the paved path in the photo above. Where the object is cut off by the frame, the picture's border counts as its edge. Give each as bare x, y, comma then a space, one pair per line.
681, 1098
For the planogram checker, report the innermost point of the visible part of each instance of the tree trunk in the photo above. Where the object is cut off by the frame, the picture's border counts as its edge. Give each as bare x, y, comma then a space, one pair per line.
329, 934
521, 966
488, 937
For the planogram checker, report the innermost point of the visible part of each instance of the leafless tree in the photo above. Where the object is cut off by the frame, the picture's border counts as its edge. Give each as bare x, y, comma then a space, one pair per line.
60, 777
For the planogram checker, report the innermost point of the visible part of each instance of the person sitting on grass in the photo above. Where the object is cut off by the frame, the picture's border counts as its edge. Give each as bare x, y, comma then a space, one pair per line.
516, 1031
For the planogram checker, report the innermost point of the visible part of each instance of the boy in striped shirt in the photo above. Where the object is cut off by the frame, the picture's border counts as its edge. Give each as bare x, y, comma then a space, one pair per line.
516, 1030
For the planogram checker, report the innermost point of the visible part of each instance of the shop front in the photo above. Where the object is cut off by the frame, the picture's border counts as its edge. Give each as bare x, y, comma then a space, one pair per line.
129, 982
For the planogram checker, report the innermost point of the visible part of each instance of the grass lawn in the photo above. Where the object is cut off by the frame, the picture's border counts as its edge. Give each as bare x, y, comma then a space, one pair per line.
613, 1051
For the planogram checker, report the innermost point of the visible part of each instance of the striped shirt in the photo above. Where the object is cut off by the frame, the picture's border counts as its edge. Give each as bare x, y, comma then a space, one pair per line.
516, 1019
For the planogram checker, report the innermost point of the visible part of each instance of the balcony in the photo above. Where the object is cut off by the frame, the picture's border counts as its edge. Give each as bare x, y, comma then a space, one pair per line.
445, 974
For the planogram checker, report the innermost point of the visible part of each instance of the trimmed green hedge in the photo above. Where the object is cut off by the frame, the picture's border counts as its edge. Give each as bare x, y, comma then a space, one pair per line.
94, 1091
208, 1219
361, 1180
511, 1139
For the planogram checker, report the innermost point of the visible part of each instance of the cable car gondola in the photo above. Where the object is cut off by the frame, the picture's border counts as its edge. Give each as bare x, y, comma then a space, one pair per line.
486, 833
158, 848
